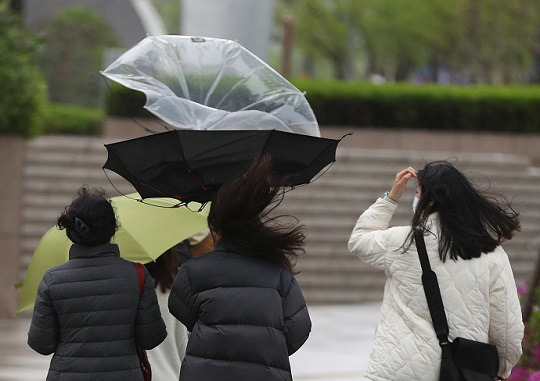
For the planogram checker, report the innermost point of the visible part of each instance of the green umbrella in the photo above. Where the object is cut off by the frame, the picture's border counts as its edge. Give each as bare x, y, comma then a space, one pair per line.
145, 232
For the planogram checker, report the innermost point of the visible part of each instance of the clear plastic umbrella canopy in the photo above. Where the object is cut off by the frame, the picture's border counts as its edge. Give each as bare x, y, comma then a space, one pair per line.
211, 84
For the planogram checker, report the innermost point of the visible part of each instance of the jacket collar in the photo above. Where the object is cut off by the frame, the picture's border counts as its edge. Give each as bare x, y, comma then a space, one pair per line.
81, 251
220, 247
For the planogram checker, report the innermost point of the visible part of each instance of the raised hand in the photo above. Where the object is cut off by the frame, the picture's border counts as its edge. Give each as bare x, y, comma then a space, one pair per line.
400, 183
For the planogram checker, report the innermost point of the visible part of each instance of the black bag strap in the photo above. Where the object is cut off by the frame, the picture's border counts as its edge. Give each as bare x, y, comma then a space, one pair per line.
432, 291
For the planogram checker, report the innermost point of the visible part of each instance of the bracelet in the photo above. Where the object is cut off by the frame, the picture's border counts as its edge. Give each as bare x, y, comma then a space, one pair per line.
386, 195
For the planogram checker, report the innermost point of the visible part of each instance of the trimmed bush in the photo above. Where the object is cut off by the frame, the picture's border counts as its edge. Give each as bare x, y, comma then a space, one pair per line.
67, 119
431, 107
401, 105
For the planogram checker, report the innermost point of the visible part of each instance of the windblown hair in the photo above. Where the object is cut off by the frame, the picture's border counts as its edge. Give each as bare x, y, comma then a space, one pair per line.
164, 269
240, 216
90, 219
471, 223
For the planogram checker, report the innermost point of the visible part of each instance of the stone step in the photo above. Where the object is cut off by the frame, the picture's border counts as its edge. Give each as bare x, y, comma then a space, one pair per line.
357, 168
59, 157
403, 156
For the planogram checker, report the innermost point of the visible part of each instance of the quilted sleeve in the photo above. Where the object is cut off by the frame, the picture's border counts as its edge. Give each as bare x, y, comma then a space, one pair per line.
179, 300
369, 237
150, 328
296, 318
506, 323
44, 329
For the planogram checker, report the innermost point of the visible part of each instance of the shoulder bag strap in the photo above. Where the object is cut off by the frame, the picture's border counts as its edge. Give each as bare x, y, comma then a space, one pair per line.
140, 274
432, 291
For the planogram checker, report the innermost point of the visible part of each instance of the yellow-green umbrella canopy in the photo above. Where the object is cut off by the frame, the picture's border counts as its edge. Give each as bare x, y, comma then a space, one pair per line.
145, 232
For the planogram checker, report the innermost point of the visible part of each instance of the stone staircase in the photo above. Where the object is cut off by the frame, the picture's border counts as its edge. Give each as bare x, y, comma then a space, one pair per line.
56, 166
330, 206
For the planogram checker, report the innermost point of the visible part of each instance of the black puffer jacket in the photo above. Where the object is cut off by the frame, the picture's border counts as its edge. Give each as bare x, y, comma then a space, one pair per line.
246, 316
88, 313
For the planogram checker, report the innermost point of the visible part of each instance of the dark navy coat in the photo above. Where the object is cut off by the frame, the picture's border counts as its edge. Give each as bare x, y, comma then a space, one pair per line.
89, 314
246, 316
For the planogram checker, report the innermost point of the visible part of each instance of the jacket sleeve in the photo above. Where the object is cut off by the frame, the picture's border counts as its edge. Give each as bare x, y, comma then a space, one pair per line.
369, 238
180, 300
150, 328
506, 323
44, 330
296, 317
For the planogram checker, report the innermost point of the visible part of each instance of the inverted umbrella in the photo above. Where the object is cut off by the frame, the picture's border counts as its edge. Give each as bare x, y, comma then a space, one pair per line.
191, 165
211, 84
145, 233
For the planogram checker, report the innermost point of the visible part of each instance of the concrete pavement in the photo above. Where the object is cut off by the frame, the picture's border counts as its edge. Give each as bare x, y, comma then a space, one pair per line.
337, 349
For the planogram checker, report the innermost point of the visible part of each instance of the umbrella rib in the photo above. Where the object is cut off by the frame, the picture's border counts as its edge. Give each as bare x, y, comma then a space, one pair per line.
180, 203
328, 166
219, 76
244, 79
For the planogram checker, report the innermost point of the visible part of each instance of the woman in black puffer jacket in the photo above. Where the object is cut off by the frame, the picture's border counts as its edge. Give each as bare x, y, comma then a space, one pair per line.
241, 302
88, 311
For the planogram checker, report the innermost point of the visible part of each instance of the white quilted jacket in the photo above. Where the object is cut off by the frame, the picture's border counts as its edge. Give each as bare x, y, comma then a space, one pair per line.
479, 296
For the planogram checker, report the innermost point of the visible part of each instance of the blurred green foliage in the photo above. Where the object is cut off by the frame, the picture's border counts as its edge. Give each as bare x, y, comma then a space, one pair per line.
431, 107
23, 94
72, 55
169, 10
485, 41
73, 120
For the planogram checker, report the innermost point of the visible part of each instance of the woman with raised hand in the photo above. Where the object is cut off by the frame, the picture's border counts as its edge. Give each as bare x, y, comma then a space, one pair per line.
241, 302
463, 230
90, 311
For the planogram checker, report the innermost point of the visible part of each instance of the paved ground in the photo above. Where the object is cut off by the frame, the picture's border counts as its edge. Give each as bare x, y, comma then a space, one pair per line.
337, 349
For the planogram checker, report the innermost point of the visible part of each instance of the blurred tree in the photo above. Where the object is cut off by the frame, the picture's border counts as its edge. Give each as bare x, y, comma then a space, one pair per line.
401, 34
329, 30
393, 36
491, 41
169, 10
497, 40
74, 43
23, 94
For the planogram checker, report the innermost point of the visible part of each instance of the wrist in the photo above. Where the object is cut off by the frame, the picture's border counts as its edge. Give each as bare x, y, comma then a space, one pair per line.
388, 197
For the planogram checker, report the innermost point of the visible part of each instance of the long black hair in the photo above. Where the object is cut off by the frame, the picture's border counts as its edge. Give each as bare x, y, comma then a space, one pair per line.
471, 223
239, 216
90, 219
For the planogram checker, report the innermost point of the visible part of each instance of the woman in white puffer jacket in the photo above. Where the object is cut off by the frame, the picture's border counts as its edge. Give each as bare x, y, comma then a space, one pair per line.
463, 230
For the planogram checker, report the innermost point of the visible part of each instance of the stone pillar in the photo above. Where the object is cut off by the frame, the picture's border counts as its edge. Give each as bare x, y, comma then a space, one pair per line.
11, 192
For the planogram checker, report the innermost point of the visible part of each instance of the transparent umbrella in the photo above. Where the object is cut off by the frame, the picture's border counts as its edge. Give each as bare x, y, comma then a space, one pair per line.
211, 84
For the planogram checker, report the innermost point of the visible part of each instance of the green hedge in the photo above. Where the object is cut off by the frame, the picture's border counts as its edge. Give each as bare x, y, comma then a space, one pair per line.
432, 107
68, 119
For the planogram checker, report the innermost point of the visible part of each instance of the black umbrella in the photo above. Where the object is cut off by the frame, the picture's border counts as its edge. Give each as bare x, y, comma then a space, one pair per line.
191, 165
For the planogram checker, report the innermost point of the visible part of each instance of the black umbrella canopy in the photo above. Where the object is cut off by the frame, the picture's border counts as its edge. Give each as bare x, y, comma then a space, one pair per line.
191, 165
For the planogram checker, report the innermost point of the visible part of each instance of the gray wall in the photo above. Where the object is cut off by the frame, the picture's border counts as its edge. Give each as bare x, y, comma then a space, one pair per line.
247, 21
11, 172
